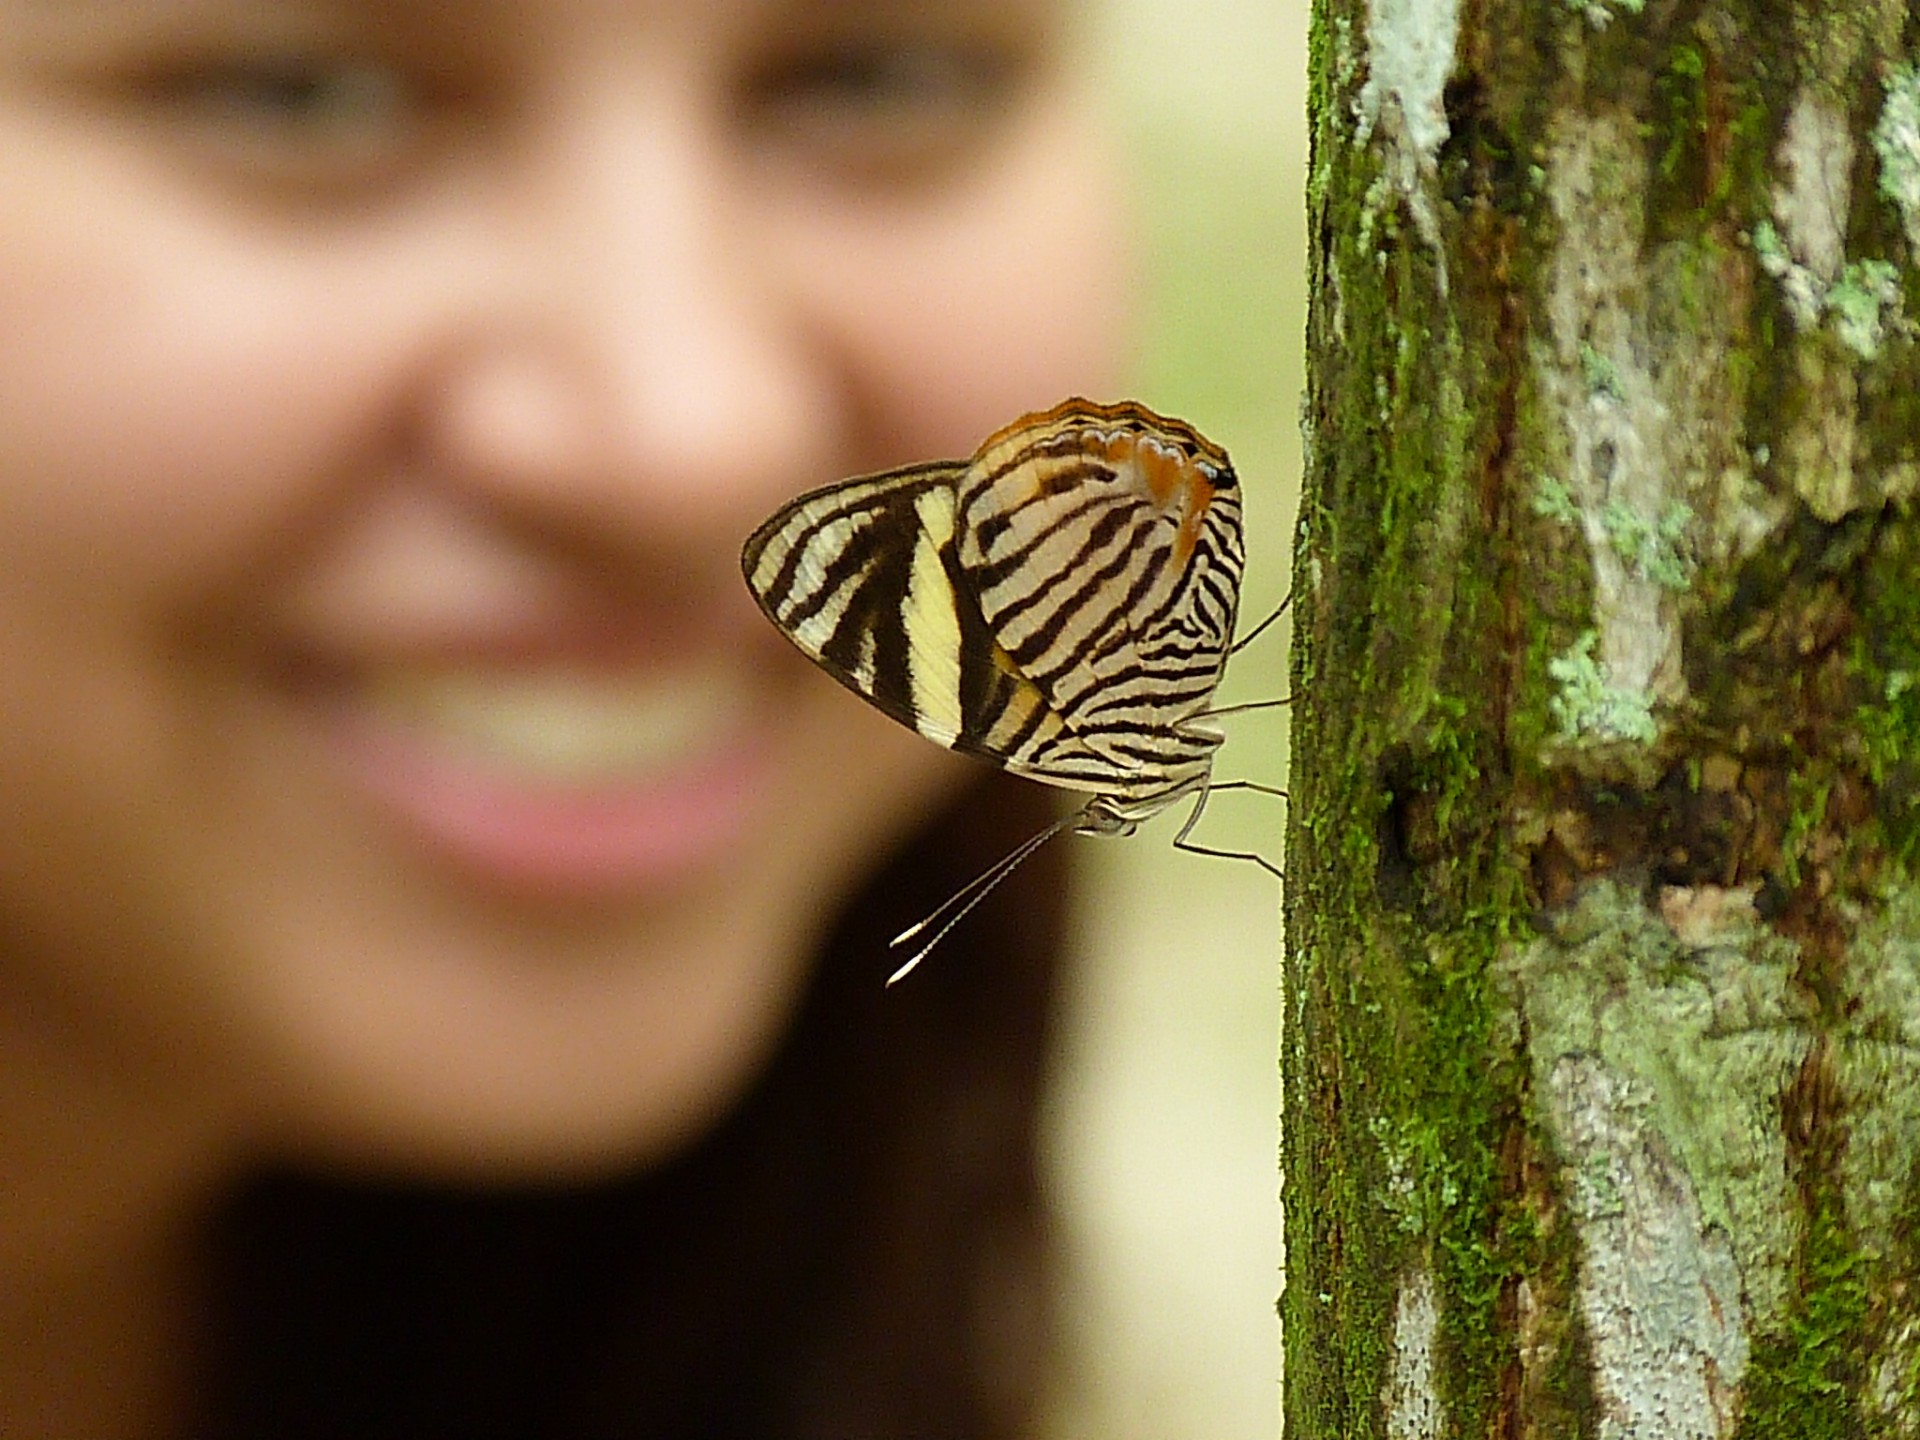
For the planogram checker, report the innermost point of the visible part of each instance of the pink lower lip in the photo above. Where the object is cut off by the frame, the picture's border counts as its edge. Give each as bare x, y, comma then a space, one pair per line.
557, 838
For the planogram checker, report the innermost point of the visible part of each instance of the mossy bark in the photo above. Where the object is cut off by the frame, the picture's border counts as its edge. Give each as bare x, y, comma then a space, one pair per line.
1603, 1028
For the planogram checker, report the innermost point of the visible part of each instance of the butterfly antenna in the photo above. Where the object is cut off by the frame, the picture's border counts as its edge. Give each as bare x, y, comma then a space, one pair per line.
956, 906
1255, 633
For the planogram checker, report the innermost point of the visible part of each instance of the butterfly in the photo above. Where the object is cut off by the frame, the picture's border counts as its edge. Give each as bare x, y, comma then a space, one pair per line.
1062, 604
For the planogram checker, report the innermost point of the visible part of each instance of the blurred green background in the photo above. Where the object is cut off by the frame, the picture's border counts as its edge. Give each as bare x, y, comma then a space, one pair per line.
1163, 1134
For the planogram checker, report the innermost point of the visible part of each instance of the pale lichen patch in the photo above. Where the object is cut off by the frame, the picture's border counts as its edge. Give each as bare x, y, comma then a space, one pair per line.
1811, 203
1890, 1385
1600, 13
1804, 294
1410, 54
1586, 705
1876, 1064
1807, 256
1551, 501
1681, 1050
1807, 253
1643, 416
1654, 545
1658, 1287
1412, 1400
1896, 144
1863, 303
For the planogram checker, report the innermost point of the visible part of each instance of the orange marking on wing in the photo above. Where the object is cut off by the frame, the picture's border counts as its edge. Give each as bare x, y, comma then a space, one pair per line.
1165, 457
1164, 469
1200, 495
1079, 411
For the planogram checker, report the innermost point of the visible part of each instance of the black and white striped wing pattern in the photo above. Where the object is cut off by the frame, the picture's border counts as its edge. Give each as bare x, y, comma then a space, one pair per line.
862, 576
1062, 604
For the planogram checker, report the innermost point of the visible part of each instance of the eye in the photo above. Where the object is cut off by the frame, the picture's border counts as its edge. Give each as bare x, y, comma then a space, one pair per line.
292, 118
895, 79
879, 107
312, 95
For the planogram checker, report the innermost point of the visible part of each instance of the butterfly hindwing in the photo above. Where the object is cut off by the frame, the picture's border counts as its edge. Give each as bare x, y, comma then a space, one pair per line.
1103, 543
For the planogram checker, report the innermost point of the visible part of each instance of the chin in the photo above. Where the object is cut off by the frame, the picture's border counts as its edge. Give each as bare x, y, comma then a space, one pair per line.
529, 1108
525, 1140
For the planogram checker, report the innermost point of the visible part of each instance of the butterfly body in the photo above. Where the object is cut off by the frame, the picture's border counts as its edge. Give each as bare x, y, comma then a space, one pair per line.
1062, 604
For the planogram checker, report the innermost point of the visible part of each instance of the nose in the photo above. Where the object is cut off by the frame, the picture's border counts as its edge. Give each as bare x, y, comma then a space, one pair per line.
626, 358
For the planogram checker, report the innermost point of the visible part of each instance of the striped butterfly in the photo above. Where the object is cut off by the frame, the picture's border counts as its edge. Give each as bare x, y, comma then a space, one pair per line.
1062, 604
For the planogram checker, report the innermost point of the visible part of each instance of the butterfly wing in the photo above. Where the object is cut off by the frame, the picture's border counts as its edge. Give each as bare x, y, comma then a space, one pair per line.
1061, 605
863, 577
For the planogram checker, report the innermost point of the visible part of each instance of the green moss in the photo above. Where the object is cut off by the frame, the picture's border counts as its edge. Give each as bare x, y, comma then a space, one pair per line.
1477, 1237
1553, 501
1426, 1183
1453, 771
1898, 1383
1711, 124
1804, 1375
1681, 88
1587, 707
1601, 374
1407, 1175
1890, 736
1809, 791
1656, 547
1337, 1312
1896, 142
1886, 664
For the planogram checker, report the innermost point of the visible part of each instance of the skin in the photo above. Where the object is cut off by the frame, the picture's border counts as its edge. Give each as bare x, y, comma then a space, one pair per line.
363, 367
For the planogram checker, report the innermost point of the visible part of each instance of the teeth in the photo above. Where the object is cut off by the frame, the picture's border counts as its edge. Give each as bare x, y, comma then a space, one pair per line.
566, 727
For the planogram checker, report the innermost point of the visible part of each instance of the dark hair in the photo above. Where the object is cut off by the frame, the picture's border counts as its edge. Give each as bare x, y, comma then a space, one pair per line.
858, 1250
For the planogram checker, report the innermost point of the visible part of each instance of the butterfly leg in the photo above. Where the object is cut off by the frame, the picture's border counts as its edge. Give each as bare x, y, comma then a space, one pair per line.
1247, 705
1257, 788
1260, 860
1180, 841
1254, 634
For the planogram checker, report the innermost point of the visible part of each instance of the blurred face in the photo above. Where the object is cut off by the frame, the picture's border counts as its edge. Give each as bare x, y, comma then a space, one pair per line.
390, 755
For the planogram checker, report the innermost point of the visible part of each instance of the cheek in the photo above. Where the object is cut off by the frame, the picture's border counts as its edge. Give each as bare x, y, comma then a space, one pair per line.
1001, 295
172, 392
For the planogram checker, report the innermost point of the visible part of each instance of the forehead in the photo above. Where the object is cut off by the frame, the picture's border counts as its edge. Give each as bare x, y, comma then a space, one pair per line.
40, 19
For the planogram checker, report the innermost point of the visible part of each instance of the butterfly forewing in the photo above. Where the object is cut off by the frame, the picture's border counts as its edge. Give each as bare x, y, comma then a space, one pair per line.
836, 571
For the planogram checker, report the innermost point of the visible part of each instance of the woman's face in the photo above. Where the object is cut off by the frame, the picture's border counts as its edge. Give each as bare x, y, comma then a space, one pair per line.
389, 750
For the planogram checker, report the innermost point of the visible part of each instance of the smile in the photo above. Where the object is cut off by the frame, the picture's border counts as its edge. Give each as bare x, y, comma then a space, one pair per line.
565, 728
559, 783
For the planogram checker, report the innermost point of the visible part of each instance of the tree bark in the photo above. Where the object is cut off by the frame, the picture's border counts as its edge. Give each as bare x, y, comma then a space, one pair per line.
1603, 1045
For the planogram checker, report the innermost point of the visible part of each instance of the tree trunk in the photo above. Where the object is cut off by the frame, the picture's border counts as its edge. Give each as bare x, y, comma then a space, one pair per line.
1603, 1047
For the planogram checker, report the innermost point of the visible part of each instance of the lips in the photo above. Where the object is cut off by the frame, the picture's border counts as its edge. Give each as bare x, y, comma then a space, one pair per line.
557, 780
